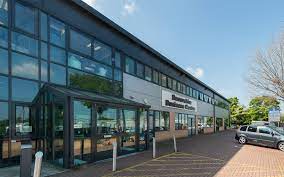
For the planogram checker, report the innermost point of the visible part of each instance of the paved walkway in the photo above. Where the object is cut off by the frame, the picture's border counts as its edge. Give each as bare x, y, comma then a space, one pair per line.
215, 155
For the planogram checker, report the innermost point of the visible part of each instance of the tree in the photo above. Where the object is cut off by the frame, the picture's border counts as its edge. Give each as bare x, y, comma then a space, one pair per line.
238, 113
267, 72
259, 107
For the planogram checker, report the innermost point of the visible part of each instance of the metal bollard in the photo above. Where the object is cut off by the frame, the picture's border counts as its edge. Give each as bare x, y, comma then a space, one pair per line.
38, 160
26, 160
175, 143
114, 156
154, 147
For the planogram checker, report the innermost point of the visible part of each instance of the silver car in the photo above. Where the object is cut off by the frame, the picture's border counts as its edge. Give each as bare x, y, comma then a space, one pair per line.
261, 135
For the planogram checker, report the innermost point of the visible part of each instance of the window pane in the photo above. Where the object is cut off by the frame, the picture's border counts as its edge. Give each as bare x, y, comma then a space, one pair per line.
244, 128
264, 130
117, 89
117, 75
127, 122
44, 71
57, 55
163, 80
106, 121
23, 120
87, 65
4, 120
148, 73
4, 61
129, 65
117, 60
140, 70
82, 119
20, 86
43, 50
89, 82
24, 44
3, 37
80, 42
4, 88
4, 12
25, 18
252, 129
102, 52
43, 26
174, 84
156, 77
24, 66
57, 32
57, 74
169, 83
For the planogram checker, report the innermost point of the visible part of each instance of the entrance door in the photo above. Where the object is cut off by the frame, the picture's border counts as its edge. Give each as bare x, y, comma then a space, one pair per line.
82, 132
191, 125
55, 139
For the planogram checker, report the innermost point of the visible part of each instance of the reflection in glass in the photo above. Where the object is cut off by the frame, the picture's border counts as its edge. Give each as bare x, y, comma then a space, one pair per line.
20, 86
57, 32
106, 121
156, 76
127, 122
129, 66
162, 121
87, 65
57, 55
3, 61
23, 120
148, 73
117, 59
4, 88
143, 130
80, 43
140, 70
89, 82
4, 120
102, 52
117, 75
117, 89
44, 71
3, 37
4, 12
24, 44
25, 18
24, 66
57, 74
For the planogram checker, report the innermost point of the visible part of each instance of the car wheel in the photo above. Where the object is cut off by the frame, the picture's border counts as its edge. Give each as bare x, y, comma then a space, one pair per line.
242, 140
281, 146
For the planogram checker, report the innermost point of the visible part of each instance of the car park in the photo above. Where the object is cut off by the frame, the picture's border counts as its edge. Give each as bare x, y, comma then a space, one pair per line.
269, 136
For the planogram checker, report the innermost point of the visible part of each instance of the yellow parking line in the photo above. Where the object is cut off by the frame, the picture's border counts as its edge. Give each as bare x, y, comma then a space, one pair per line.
181, 164
163, 169
202, 156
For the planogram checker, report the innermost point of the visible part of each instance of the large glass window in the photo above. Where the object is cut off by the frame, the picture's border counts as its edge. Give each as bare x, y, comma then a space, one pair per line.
155, 76
4, 61
4, 120
148, 73
163, 80
174, 82
4, 12
169, 83
57, 55
106, 121
129, 65
87, 65
127, 121
20, 86
80, 42
82, 119
25, 18
162, 121
24, 44
102, 52
24, 66
57, 32
117, 59
43, 50
181, 121
89, 82
23, 120
4, 88
43, 26
57, 74
3, 37
140, 70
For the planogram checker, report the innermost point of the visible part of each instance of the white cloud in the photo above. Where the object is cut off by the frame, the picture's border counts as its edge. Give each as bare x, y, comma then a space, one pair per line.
129, 7
197, 72
28, 69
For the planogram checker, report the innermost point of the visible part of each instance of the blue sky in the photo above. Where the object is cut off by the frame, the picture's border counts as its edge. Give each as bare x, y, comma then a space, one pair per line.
213, 39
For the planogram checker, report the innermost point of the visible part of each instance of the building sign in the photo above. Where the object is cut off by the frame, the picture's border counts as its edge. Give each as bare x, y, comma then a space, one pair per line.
274, 115
177, 101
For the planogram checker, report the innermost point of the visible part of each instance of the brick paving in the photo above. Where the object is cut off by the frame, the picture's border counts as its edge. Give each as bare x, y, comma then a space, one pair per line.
215, 155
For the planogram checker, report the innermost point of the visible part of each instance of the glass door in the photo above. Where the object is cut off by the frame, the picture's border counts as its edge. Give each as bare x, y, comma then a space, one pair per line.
128, 134
191, 125
82, 132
